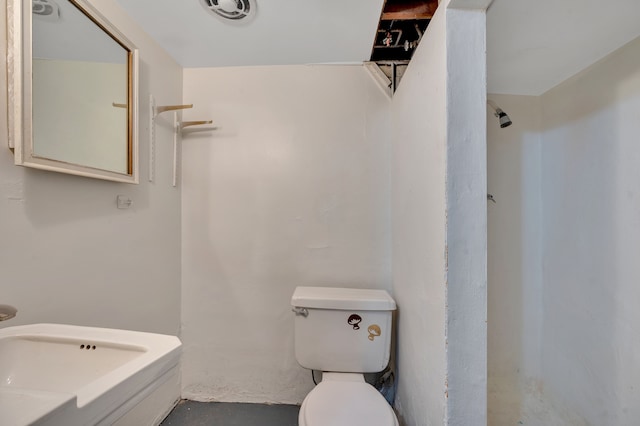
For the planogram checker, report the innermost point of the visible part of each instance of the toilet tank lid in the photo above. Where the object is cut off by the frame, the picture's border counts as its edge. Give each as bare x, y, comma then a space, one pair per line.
356, 299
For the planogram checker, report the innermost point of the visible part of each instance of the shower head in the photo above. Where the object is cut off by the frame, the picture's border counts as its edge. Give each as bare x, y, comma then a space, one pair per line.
504, 119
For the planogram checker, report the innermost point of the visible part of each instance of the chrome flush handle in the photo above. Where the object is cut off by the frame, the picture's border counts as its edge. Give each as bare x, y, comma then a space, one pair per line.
7, 312
301, 311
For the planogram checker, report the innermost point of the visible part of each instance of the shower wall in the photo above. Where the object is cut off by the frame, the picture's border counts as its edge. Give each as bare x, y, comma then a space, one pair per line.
564, 243
591, 241
514, 257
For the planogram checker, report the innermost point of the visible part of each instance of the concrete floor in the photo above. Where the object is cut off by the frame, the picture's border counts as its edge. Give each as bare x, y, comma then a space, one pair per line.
191, 413
512, 405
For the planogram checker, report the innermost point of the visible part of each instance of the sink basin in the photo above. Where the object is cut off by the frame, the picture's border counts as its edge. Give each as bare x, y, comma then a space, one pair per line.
63, 374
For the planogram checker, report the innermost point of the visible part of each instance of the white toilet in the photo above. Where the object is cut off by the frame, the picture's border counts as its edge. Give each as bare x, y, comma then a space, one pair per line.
344, 333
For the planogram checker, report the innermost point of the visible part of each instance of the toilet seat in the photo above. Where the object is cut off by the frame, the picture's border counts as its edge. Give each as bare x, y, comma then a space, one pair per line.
344, 399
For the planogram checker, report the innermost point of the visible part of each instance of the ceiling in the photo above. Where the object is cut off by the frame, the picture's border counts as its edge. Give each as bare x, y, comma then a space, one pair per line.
531, 46
283, 32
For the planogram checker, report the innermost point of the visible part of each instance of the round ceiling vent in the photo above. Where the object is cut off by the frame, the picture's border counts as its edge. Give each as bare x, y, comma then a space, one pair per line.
234, 10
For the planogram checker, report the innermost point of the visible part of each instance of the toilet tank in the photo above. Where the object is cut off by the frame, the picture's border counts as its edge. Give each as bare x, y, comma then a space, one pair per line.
342, 329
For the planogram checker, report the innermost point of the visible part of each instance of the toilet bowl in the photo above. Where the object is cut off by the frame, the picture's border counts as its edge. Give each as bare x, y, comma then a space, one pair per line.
345, 399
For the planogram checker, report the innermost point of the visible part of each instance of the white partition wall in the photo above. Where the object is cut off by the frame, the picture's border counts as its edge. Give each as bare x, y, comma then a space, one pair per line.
439, 222
419, 229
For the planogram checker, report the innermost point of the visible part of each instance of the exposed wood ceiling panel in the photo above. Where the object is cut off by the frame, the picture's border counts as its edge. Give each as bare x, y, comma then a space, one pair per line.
408, 10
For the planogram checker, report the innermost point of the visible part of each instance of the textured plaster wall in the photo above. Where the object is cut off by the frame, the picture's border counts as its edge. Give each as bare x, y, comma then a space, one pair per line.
292, 189
419, 230
439, 224
466, 183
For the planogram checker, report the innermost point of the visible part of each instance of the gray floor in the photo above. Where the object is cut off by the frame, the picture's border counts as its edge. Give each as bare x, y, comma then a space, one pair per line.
191, 413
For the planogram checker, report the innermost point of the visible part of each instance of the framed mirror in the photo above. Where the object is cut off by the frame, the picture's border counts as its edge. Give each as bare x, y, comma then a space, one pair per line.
72, 88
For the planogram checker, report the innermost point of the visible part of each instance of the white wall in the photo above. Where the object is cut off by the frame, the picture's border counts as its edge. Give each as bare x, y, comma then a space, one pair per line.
292, 189
439, 224
514, 258
67, 254
466, 247
563, 246
419, 226
591, 241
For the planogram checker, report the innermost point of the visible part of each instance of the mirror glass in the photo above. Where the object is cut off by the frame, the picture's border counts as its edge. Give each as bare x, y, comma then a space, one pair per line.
79, 101
78, 71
